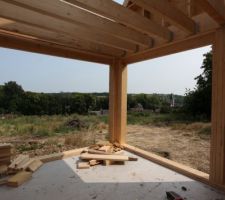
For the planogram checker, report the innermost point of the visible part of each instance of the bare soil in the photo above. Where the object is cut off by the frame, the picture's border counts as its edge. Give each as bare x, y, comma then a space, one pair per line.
183, 146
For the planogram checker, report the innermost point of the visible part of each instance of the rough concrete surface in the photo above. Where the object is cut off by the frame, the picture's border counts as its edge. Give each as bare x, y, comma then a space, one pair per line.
60, 180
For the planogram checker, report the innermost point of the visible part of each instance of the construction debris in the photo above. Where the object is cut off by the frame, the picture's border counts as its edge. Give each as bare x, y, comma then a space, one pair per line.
5, 154
103, 153
34, 165
19, 178
21, 167
83, 165
171, 195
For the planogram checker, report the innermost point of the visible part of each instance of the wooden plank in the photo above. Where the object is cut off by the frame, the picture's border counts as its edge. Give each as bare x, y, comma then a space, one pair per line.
83, 165
18, 160
93, 162
115, 11
106, 149
59, 156
64, 11
86, 156
172, 14
61, 39
19, 179
214, 8
33, 166
192, 42
31, 16
183, 169
5, 146
13, 41
217, 152
118, 102
24, 165
3, 169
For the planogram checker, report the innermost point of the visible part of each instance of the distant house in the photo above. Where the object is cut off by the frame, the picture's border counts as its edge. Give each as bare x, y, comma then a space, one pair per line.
138, 108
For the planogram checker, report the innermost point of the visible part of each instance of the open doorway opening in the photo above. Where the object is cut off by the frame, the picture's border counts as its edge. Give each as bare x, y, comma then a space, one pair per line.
50, 104
169, 107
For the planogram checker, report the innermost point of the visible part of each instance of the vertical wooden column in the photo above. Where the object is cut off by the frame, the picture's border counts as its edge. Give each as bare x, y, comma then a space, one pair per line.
118, 102
217, 156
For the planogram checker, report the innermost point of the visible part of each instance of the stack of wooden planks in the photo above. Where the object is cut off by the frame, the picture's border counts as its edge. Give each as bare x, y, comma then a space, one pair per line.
19, 170
106, 154
24, 163
22, 166
5, 154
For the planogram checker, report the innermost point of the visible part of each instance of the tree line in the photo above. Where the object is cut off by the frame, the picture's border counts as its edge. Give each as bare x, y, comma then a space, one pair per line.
13, 99
196, 102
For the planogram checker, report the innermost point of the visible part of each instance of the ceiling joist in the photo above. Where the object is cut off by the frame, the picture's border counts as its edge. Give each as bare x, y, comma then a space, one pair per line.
170, 12
214, 8
119, 13
74, 14
15, 11
58, 38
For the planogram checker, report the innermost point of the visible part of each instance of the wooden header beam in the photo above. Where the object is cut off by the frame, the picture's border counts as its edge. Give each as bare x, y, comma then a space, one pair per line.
192, 42
125, 16
13, 41
173, 14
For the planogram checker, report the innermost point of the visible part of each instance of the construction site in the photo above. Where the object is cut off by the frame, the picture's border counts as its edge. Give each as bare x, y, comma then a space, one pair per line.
106, 32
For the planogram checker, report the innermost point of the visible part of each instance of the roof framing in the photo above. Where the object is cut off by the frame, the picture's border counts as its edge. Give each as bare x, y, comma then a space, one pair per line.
105, 28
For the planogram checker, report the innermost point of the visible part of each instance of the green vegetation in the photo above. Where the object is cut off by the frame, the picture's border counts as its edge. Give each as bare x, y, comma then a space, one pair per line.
197, 102
42, 126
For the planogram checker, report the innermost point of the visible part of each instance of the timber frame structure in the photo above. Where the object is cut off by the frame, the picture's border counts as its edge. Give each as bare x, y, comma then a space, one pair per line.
103, 31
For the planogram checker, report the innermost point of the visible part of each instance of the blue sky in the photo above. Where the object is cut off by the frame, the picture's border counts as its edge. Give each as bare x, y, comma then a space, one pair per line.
41, 73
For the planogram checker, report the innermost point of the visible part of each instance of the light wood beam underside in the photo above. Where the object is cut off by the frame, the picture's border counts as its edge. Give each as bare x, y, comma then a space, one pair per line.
214, 8
32, 17
170, 12
125, 16
13, 41
64, 11
58, 38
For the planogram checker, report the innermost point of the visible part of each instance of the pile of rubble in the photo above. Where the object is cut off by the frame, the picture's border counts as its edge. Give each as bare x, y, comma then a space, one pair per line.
103, 153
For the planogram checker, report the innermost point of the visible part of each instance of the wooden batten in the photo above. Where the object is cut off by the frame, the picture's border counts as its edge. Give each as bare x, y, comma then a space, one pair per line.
118, 101
217, 156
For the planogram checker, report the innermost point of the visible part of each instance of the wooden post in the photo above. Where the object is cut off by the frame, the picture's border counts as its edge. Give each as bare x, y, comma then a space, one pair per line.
217, 157
118, 102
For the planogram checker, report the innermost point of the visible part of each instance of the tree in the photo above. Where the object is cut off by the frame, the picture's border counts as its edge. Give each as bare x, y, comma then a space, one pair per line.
197, 102
12, 97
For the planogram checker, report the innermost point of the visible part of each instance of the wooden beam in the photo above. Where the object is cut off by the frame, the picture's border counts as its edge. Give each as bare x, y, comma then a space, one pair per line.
214, 8
33, 17
118, 102
217, 156
115, 11
192, 42
180, 168
170, 12
59, 38
13, 41
64, 11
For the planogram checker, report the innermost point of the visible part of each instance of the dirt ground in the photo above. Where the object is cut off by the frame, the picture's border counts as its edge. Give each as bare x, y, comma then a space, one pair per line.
186, 147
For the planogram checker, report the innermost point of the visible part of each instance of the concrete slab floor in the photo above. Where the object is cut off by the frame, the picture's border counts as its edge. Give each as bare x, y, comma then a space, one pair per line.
60, 180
